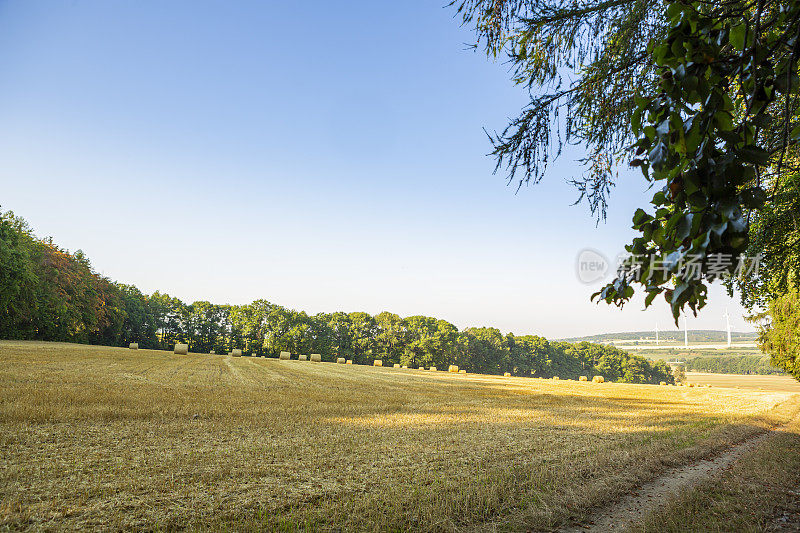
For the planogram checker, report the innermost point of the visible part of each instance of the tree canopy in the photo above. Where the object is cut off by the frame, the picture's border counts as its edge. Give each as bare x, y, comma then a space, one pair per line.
701, 96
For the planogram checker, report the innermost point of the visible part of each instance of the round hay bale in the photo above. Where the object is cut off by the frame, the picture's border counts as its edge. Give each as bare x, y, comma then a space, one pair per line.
316, 358
134, 346
556, 378
583, 378
396, 365
690, 384
453, 368
462, 371
598, 379
663, 383
404, 366
340, 360
377, 362
432, 369
212, 352
349, 362
507, 374
182, 349
285, 356
302, 357
236, 352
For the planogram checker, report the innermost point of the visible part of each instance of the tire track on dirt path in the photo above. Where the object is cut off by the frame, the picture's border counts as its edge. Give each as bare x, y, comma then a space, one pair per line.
628, 511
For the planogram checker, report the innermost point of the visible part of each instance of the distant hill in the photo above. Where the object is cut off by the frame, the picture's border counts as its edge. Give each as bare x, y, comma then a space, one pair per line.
697, 335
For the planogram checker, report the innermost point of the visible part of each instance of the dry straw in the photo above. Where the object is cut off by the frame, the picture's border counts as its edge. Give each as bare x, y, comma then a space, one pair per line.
236, 352
285, 356
134, 346
404, 366
583, 378
507, 374
598, 379
316, 358
433, 369
377, 362
302, 357
453, 368
663, 383
462, 371
349, 362
556, 378
397, 365
340, 360
182, 349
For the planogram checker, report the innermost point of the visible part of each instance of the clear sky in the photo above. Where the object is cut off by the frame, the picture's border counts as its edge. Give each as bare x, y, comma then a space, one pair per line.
321, 155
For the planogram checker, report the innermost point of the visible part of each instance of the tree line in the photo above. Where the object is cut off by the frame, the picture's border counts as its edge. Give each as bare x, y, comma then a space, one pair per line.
734, 364
47, 293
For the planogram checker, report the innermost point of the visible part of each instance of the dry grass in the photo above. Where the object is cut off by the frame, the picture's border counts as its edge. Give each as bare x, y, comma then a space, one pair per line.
109, 438
758, 493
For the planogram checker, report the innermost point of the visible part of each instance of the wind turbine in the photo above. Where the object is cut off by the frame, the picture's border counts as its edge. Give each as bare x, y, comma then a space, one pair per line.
656, 333
728, 322
685, 332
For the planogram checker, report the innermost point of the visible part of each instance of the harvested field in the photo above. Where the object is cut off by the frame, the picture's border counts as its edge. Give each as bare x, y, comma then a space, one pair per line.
110, 438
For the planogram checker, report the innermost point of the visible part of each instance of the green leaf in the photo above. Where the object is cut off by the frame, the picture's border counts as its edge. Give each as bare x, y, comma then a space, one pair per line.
753, 154
737, 36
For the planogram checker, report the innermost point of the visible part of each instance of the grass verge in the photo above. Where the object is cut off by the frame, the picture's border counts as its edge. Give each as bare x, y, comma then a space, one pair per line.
759, 492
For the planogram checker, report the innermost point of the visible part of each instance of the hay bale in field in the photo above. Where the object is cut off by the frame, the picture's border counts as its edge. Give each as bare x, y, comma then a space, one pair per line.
134, 346
377, 362
453, 368
316, 358
462, 371
404, 366
598, 379
432, 369
340, 360
396, 365
302, 357
663, 383
285, 356
236, 352
349, 362
583, 378
556, 378
507, 374
182, 349
212, 352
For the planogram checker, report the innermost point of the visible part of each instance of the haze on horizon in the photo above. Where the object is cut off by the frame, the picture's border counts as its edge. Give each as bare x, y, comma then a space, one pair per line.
323, 159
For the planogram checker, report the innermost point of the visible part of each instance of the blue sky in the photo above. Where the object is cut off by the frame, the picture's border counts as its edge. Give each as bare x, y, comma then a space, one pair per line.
322, 155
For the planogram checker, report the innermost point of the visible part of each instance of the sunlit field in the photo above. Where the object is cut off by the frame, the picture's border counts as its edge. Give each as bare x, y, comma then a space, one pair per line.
109, 438
749, 381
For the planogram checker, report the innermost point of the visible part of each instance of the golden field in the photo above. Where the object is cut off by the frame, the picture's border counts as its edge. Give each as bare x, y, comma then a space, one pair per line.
110, 438
774, 383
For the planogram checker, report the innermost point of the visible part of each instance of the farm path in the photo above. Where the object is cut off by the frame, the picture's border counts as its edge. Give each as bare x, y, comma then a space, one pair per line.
625, 513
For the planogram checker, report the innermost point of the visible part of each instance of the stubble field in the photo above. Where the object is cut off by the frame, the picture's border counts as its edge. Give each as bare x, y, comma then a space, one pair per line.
109, 438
